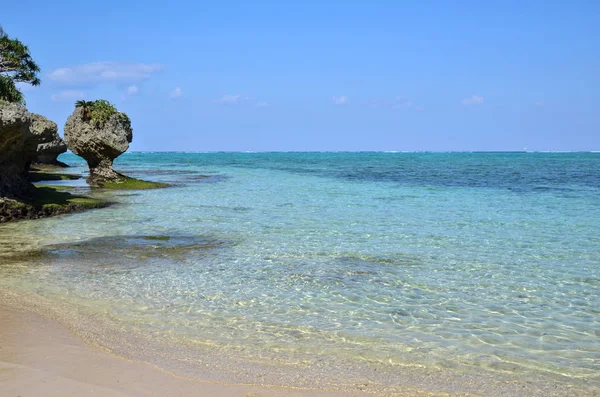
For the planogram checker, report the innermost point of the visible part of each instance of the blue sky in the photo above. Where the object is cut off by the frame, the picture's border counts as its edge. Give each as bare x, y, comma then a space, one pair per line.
315, 75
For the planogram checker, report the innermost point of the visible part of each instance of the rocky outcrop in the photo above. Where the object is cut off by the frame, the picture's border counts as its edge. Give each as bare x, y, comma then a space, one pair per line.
48, 152
99, 145
20, 134
17, 147
42, 129
49, 144
47, 202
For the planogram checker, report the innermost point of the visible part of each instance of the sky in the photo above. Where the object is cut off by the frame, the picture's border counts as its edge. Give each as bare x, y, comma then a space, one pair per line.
323, 75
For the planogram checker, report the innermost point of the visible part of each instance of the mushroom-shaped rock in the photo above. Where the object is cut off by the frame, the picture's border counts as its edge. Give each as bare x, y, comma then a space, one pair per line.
49, 144
99, 142
16, 149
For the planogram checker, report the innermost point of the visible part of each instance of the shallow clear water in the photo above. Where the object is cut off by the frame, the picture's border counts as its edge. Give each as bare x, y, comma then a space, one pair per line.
460, 260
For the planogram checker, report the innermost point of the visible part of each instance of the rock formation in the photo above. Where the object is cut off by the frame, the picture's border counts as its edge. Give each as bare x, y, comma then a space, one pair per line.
20, 133
49, 144
17, 147
48, 152
98, 144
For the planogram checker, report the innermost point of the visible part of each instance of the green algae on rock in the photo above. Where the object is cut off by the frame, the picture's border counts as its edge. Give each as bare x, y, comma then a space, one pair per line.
127, 183
55, 187
44, 202
50, 172
38, 176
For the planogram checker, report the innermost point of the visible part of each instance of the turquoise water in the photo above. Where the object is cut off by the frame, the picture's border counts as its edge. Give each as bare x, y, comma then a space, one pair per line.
459, 260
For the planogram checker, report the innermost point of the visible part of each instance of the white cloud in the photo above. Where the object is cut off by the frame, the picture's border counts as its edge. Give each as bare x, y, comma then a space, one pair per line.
133, 90
474, 100
228, 99
262, 104
176, 93
340, 100
104, 72
67, 95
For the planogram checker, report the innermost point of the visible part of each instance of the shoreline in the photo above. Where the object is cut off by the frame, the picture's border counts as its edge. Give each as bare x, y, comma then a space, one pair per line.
50, 343
39, 356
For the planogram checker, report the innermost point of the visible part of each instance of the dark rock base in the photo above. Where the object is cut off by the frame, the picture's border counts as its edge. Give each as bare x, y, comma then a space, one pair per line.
42, 161
46, 202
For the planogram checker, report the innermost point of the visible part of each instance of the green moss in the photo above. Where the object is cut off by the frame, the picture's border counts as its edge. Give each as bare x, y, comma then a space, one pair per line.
46, 201
37, 176
42, 167
87, 202
14, 204
127, 183
48, 197
55, 187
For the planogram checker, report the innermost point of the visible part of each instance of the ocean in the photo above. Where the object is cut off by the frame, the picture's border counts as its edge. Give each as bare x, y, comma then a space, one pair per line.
483, 267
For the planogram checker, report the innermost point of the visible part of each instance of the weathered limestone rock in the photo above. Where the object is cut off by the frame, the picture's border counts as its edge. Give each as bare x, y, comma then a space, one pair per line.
42, 129
20, 132
17, 147
48, 152
49, 144
98, 145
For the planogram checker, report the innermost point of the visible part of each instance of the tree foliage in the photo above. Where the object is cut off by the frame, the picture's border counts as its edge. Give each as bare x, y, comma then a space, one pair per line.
16, 65
86, 107
9, 92
16, 61
99, 111
102, 110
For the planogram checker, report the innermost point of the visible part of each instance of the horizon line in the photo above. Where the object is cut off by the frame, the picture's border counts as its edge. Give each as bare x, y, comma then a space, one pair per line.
358, 151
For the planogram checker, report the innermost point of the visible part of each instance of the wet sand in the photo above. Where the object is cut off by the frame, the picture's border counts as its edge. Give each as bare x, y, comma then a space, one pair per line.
46, 351
41, 357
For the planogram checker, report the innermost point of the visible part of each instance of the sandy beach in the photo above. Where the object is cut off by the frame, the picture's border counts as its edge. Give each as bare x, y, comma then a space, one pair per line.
41, 357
